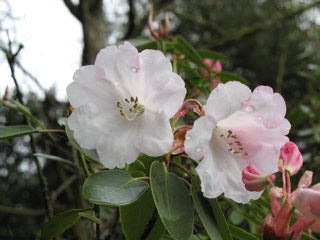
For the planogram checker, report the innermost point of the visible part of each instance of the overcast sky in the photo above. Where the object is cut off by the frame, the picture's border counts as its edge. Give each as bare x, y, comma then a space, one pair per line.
52, 42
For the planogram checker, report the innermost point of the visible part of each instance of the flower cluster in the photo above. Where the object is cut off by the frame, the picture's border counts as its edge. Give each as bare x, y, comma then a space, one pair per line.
123, 104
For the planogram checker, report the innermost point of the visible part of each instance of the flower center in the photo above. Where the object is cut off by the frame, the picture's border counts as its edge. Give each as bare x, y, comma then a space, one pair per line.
230, 141
130, 109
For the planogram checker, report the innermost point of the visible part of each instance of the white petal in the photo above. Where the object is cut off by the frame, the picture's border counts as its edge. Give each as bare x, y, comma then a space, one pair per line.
89, 86
226, 99
88, 124
163, 89
157, 136
198, 137
220, 172
120, 147
260, 126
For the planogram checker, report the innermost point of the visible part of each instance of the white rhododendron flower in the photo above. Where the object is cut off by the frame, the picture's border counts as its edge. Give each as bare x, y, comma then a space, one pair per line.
239, 128
123, 104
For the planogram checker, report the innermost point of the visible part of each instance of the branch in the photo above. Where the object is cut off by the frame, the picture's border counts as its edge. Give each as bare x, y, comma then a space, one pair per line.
21, 211
131, 17
62, 187
74, 9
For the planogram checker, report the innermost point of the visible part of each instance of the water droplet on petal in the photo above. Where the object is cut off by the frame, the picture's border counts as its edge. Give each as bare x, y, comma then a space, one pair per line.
199, 149
116, 83
81, 108
249, 108
256, 90
260, 118
188, 137
215, 91
134, 69
271, 125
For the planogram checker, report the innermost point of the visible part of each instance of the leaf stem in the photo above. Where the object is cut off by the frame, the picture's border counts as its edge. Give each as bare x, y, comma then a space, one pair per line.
186, 182
183, 168
84, 165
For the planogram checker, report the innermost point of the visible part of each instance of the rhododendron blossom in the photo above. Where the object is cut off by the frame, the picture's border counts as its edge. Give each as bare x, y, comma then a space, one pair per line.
239, 128
123, 104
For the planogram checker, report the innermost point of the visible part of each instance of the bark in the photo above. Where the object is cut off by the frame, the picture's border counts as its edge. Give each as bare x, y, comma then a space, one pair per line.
91, 15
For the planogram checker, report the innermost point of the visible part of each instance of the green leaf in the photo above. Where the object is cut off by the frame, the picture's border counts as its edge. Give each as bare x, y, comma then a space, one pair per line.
227, 76
26, 111
91, 154
157, 231
186, 49
15, 131
205, 213
113, 187
142, 43
241, 234
90, 217
212, 55
304, 236
136, 216
221, 220
60, 223
173, 202
55, 158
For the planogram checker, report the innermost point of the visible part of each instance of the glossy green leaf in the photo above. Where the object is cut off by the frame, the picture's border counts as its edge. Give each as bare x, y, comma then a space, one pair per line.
186, 49
241, 234
205, 213
157, 231
136, 216
113, 187
55, 158
212, 55
15, 131
221, 220
60, 223
91, 154
90, 217
173, 202
305, 236
227, 76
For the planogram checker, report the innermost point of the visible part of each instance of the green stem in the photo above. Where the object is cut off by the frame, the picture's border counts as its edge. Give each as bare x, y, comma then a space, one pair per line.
183, 168
84, 164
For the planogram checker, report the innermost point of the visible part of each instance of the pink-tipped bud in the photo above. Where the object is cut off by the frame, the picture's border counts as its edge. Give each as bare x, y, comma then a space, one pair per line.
291, 157
253, 179
218, 66
215, 83
307, 202
207, 62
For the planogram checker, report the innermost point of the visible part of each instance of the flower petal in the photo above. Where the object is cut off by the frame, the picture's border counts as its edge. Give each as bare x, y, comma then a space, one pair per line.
199, 136
157, 136
220, 172
88, 124
227, 98
120, 147
164, 89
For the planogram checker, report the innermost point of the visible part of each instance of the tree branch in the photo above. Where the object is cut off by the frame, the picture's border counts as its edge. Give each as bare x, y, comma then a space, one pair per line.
74, 9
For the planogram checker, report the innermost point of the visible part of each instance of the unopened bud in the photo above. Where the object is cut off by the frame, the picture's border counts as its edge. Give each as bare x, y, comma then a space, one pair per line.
307, 202
253, 179
291, 157
208, 63
218, 66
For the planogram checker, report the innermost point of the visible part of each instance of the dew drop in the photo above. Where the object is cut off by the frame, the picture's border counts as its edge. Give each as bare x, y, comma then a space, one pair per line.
134, 69
271, 125
116, 83
249, 108
215, 91
81, 108
188, 138
199, 149
260, 118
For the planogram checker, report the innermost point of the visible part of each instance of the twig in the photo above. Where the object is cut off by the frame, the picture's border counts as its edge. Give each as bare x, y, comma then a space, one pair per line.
22, 211
183, 168
62, 187
11, 58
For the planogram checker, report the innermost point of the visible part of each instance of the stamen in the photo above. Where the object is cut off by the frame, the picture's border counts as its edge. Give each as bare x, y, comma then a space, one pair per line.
130, 109
231, 142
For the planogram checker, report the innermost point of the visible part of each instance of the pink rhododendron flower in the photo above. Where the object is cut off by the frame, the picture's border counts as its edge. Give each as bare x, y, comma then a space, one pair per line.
291, 157
123, 104
239, 128
307, 202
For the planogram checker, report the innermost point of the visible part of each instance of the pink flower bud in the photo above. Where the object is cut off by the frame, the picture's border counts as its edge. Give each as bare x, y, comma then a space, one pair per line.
215, 83
253, 179
207, 62
307, 202
291, 157
218, 66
